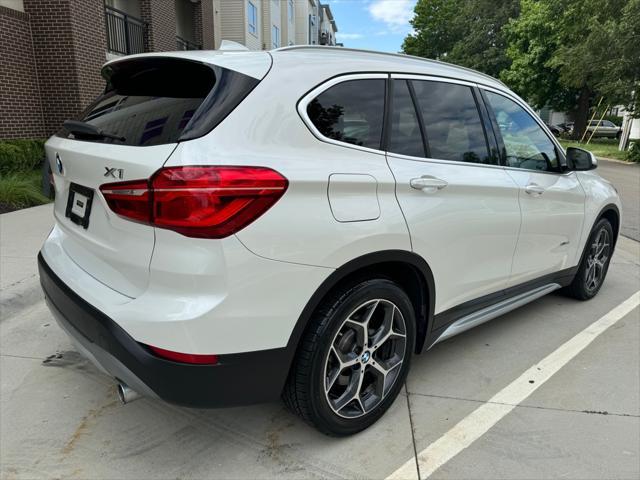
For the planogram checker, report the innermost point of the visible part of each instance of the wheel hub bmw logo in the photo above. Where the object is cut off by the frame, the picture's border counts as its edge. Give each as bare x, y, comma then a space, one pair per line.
59, 165
365, 357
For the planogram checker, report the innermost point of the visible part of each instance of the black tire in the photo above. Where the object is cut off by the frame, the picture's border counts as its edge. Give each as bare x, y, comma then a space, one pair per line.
583, 286
307, 393
618, 135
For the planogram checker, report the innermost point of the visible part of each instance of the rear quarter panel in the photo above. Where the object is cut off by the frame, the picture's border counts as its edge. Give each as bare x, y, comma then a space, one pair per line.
266, 130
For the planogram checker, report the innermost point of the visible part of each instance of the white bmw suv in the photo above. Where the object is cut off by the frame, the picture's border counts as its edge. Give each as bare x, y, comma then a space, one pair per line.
234, 227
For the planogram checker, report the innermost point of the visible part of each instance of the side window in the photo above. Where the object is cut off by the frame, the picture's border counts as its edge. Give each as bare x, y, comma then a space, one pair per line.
451, 121
406, 137
526, 143
351, 112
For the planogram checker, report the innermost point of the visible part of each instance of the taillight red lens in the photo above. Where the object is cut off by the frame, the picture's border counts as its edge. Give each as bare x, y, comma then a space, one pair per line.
129, 199
204, 202
193, 358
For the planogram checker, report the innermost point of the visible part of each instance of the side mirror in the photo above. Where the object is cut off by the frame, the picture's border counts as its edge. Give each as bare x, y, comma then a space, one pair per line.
580, 159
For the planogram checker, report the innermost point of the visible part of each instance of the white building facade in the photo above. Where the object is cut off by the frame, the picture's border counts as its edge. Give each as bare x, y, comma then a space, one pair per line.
268, 24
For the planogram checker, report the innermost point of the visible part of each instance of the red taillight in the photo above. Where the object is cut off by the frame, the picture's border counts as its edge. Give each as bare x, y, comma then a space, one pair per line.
193, 358
204, 202
129, 199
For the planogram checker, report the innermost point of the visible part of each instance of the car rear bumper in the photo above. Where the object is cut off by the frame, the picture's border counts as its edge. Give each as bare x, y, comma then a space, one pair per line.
236, 379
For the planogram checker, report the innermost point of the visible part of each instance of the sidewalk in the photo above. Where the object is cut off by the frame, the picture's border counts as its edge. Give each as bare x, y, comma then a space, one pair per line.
21, 235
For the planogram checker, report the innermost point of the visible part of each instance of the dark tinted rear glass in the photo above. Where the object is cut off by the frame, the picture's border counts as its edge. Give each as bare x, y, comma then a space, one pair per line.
153, 101
406, 137
351, 112
452, 122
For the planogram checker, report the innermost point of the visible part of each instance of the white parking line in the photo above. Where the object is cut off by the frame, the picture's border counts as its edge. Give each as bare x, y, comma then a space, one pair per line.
478, 422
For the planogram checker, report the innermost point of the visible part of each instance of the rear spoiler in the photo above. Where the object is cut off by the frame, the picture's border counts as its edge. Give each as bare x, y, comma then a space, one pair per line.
251, 63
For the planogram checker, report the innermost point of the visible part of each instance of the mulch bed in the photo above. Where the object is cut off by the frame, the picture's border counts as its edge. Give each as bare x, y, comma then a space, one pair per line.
5, 208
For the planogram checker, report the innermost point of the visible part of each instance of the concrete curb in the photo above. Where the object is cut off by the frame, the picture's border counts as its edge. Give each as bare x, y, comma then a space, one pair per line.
624, 162
14, 301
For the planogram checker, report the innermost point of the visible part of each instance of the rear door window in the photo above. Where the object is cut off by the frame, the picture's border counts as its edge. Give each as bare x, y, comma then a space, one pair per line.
452, 122
155, 101
406, 136
351, 112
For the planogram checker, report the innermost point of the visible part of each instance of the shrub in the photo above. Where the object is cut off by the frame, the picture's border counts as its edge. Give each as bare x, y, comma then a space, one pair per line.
612, 118
20, 155
633, 154
21, 190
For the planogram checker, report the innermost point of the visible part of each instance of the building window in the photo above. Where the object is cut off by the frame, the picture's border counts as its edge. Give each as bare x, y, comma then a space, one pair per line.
252, 16
275, 36
291, 11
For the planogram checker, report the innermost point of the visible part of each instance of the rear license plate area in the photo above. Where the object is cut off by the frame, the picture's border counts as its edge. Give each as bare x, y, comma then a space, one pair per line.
79, 204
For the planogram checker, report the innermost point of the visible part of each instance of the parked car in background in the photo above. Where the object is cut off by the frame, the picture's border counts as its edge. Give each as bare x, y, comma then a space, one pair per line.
226, 241
566, 127
603, 129
555, 129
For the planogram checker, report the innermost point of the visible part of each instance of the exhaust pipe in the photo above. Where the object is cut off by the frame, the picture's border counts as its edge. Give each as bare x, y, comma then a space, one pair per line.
126, 394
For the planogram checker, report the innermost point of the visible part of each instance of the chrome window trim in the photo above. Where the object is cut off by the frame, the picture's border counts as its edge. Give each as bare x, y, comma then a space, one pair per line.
431, 78
442, 161
305, 100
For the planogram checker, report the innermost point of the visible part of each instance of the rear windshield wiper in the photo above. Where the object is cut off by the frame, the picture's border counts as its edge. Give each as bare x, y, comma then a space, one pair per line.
86, 129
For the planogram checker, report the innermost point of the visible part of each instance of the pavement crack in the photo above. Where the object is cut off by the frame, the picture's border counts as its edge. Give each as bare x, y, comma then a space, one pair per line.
537, 407
413, 433
20, 356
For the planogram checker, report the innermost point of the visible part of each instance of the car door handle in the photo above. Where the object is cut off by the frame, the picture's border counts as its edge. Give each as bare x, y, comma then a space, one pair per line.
534, 189
428, 184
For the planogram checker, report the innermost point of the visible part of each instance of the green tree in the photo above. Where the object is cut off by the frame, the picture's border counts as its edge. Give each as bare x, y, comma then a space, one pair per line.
564, 52
621, 60
464, 32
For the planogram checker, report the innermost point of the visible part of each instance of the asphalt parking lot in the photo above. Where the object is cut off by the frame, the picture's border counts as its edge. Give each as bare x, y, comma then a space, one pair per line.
626, 178
577, 413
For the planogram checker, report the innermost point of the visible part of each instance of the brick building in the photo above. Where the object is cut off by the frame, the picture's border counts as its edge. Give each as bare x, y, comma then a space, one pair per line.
51, 51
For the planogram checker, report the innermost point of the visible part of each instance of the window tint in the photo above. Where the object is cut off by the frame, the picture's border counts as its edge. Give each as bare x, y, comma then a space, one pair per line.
526, 144
405, 138
451, 122
147, 101
351, 112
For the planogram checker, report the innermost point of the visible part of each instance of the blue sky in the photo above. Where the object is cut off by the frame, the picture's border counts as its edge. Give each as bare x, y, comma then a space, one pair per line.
372, 24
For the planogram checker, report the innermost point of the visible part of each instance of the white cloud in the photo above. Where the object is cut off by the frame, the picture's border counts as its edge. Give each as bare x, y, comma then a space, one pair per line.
349, 36
394, 13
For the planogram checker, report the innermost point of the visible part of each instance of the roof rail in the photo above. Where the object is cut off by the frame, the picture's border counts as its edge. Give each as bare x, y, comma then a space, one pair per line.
398, 55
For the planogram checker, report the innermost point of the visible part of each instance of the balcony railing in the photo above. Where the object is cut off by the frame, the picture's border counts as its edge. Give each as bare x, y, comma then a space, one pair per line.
125, 33
184, 44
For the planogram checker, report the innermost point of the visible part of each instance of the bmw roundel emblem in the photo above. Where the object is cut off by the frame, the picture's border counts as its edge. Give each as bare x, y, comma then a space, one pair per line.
59, 165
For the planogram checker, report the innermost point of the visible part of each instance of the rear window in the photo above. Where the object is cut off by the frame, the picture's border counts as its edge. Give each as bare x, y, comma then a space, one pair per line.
154, 101
351, 112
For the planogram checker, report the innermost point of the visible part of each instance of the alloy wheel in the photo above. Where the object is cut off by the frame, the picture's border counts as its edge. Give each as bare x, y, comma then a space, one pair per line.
365, 358
597, 260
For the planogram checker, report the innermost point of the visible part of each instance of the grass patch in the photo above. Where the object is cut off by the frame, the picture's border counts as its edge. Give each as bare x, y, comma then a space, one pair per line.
21, 190
601, 147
